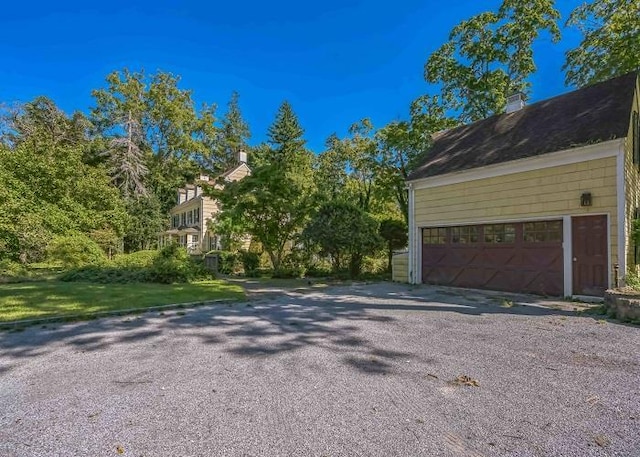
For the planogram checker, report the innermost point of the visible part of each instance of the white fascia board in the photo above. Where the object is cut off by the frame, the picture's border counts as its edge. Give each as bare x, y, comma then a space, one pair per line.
622, 216
596, 151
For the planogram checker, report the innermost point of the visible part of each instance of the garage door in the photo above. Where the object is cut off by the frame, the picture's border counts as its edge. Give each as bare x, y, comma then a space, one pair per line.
519, 257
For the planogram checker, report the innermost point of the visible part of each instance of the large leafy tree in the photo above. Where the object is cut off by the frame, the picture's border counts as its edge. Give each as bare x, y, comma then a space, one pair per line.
610, 43
345, 233
490, 56
47, 188
273, 203
156, 121
394, 232
402, 144
347, 167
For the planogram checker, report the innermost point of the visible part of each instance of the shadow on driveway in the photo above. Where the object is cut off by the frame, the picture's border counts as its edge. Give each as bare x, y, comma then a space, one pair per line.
280, 322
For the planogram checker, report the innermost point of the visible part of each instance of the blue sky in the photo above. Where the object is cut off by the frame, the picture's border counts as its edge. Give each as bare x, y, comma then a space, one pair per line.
336, 62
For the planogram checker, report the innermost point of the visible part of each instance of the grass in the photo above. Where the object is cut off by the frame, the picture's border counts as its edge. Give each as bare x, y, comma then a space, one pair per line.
44, 299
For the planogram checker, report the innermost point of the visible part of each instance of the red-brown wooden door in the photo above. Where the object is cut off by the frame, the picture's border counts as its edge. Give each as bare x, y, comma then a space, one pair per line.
590, 255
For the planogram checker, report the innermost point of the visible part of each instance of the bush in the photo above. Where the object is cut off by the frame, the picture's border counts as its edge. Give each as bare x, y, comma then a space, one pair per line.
173, 264
75, 250
228, 262
170, 265
106, 275
139, 259
250, 262
11, 269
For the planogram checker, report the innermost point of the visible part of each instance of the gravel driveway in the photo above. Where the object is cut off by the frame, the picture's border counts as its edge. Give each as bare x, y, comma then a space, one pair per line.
365, 370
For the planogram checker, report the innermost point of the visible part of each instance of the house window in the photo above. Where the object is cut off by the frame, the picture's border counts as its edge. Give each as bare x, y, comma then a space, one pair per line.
636, 139
464, 234
500, 233
176, 221
196, 215
436, 235
183, 218
542, 232
190, 218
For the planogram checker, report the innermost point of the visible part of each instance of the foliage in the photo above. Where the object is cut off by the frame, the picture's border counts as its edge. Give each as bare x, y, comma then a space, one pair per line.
489, 57
139, 259
10, 269
344, 233
402, 144
106, 274
250, 262
146, 219
75, 250
228, 261
173, 265
232, 136
273, 203
396, 235
47, 188
610, 41
350, 166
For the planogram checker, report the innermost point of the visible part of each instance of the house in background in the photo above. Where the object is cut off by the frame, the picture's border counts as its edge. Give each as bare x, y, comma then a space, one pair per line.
191, 216
540, 199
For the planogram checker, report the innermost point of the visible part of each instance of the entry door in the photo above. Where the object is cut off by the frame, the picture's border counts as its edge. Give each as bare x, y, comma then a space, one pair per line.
590, 256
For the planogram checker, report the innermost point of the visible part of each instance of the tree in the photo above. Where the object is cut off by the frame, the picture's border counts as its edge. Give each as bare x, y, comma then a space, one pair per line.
222, 144
273, 203
610, 41
344, 233
47, 188
348, 165
401, 145
125, 160
489, 57
394, 232
160, 119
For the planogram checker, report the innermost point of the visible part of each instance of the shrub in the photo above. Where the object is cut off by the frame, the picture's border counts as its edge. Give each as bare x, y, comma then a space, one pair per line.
228, 262
171, 265
139, 259
250, 262
75, 250
106, 275
11, 269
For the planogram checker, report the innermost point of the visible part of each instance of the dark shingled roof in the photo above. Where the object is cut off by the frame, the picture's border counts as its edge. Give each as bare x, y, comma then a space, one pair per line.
592, 114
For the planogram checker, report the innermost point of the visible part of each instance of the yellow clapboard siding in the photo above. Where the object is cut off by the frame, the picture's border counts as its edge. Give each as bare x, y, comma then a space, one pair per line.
545, 193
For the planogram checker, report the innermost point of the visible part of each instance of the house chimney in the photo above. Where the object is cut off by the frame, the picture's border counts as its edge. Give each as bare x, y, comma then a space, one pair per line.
515, 102
242, 156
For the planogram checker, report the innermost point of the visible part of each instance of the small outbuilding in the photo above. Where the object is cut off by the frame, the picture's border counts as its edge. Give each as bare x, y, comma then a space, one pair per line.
541, 199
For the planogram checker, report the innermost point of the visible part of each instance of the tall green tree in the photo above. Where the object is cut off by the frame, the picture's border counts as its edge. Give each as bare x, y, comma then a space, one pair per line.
345, 233
274, 202
395, 234
610, 41
401, 145
490, 56
47, 188
351, 162
223, 143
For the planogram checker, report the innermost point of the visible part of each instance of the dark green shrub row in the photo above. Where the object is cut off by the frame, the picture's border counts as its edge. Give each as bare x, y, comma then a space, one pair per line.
170, 265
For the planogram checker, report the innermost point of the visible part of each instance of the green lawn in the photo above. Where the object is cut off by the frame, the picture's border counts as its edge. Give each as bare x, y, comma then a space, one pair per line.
30, 300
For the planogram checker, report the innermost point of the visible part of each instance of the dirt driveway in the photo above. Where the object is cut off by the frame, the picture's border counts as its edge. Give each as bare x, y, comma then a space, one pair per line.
361, 370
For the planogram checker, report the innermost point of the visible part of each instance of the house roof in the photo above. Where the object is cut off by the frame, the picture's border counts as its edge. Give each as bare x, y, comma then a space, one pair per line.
592, 114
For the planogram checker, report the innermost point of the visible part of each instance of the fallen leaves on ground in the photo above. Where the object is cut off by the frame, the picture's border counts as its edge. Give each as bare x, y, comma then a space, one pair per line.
464, 380
601, 440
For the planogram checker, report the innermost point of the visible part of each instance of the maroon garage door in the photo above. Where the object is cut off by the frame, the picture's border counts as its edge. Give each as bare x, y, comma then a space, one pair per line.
519, 257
